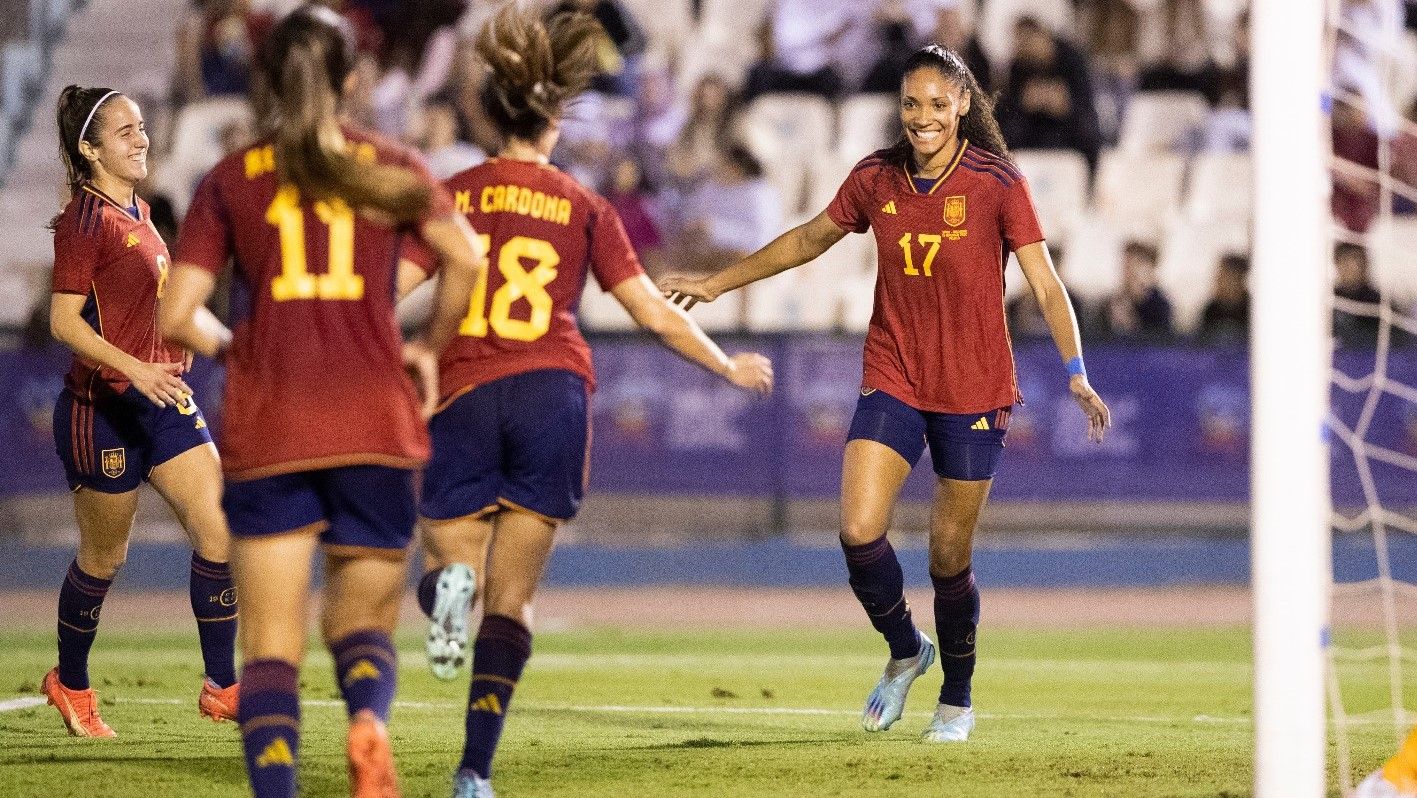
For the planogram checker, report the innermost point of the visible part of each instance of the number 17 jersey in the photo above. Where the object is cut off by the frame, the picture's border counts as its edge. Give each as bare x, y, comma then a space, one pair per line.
543, 233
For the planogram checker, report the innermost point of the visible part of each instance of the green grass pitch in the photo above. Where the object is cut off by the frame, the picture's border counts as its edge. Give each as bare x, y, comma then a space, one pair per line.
704, 713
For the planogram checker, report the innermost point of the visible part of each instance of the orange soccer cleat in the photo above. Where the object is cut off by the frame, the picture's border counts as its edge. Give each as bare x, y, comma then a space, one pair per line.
78, 708
371, 759
218, 703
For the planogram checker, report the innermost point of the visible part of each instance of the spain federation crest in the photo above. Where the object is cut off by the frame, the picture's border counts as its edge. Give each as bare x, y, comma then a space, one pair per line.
114, 463
954, 210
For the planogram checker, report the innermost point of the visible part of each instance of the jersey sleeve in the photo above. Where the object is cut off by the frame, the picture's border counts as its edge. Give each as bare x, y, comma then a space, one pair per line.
205, 238
1020, 220
416, 251
612, 259
849, 208
75, 255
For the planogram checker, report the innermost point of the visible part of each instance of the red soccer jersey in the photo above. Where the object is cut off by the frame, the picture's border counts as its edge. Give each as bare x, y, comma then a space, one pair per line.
937, 339
543, 233
120, 264
314, 374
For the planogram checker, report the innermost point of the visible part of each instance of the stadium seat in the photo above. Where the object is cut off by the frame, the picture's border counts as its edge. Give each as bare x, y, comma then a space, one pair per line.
1091, 265
1058, 181
1138, 191
1392, 243
601, 312
1190, 252
784, 131
1220, 187
825, 175
196, 144
1162, 120
803, 298
866, 123
668, 24
724, 314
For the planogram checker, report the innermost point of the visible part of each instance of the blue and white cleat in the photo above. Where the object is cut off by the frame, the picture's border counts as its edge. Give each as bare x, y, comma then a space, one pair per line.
950, 725
886, 703
467, 784
447, 629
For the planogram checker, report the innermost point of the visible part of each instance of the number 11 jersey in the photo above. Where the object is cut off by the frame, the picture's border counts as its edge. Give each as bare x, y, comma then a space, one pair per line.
315, 373
543, 233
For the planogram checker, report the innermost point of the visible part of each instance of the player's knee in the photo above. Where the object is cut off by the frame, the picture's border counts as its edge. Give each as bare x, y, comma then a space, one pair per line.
860, 531
946, 560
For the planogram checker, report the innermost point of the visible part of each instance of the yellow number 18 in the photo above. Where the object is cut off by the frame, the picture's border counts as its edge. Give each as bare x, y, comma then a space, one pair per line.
520, 284
295, 280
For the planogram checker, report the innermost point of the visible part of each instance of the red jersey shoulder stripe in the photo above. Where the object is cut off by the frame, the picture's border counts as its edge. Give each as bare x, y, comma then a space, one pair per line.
985, 156
995, 172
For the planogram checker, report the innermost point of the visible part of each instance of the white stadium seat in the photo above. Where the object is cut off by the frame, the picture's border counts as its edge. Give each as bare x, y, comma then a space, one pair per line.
866, 123
1138, 191
1190, 252
196, 144
1220, 187
601, 312
1058, 181
1091, 265
1161, 120
724, 314
825, 175
784, 131
1393, 248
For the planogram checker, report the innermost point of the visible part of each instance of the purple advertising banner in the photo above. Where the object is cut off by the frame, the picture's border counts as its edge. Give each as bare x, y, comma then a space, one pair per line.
1180, 424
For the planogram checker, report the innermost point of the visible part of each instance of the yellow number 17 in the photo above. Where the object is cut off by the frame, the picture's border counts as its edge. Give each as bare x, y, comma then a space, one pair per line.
295, 280
925, 239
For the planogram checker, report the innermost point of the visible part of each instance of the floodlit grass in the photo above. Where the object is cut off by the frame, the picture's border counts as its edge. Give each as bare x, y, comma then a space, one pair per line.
612, 713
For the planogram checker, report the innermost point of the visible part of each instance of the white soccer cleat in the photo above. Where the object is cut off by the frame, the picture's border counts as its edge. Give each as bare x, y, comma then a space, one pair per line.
950, 725
467, 784
447, 628
886, 703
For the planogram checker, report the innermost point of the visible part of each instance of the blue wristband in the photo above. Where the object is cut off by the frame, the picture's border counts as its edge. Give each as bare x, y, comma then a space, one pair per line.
1076, 367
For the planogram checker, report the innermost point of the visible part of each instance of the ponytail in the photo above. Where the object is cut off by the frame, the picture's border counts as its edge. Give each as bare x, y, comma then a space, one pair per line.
79, 117
307, 59
978, 126
537, 67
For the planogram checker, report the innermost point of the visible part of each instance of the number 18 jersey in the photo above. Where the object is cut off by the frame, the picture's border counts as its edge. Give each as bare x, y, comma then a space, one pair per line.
315, 373
543, 233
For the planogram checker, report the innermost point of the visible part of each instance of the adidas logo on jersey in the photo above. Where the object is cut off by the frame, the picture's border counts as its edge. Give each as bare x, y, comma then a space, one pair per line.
132, 240
363, 669
981, 424
889, 208
277, 753
488, 703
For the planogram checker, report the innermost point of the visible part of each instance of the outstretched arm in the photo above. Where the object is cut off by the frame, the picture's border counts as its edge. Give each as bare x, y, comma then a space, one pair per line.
1058, 312
654, 313
797, 246
184, 318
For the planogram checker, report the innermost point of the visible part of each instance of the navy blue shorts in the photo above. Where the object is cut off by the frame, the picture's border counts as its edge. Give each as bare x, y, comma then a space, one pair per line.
518, 442
964, 447
112, 444
360, 509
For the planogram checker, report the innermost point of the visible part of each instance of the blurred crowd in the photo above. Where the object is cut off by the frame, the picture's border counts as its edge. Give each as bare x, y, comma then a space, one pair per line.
669, 132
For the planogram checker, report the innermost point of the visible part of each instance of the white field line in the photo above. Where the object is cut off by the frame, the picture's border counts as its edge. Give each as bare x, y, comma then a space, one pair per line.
26, 702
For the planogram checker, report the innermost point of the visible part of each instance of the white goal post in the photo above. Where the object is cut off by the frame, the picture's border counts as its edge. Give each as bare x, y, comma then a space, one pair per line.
1290, 356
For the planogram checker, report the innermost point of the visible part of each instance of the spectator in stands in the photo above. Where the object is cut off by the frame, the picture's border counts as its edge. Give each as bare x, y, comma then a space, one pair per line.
713, 113
216, 43
435, 132
1368, 41
1229, 127
899, 30
1226, 318
620, 50
1047, 101
415, 57
1176, 50
1025, 317
1352, 283
1404, 163
1111, 29
802, 44
1355, 147
733, 213
1139, 310
629, 194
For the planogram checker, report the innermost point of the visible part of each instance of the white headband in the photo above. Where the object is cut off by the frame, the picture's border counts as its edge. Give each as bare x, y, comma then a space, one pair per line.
93, 111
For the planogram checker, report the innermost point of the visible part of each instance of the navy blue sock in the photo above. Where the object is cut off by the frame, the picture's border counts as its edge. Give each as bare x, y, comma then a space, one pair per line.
503, 646
879, 585
366, 667
428, 591
269, 713
80, 600
956, 619
214, 605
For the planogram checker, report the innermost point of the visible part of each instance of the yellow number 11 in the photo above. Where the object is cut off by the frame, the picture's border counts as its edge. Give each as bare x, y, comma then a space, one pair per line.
295, 280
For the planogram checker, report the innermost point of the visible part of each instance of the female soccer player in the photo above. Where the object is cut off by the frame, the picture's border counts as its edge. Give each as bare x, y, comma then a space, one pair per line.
945, 203
322, 427
125, 414
510, 437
